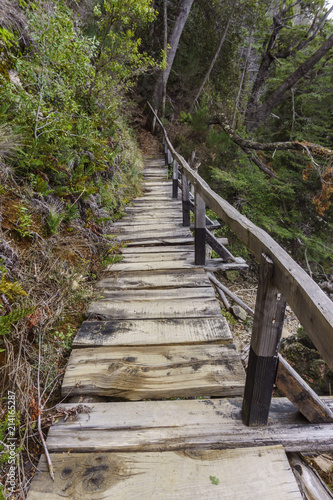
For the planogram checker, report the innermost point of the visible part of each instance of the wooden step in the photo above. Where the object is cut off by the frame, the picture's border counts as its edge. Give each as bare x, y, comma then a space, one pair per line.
261, 473
179, 305
158, 257
153, 332
144, 235
155, 372
139, 229
210, 265
187, 424
151, 250
192, 278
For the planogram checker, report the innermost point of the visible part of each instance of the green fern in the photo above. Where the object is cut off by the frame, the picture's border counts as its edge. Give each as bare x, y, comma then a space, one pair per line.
11, 289
13, 317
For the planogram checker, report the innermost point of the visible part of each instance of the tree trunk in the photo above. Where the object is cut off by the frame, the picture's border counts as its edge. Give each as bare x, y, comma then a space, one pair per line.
165, 47
241, 85
215, 57
275, 98
174, 41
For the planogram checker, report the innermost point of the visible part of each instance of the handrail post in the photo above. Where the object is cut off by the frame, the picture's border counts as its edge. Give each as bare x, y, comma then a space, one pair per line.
166, 154
186, 201
200, 230
265, 344
175, 179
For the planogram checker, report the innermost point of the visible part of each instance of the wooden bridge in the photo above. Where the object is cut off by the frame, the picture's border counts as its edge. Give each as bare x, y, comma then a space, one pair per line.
163, 407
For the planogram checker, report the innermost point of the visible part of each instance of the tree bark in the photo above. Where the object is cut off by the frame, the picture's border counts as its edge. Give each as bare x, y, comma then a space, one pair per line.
266, 61
217, 53
274, 99
174, 41
165, 47
241, 85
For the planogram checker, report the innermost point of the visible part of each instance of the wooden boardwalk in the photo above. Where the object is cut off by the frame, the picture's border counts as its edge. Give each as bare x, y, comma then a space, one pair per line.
156, 365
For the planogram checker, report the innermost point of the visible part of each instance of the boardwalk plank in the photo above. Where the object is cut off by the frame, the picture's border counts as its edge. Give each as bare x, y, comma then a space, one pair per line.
142, 229
153, 332
155, 372
169, 476
181, 308
158, 257
175, 425
164, 249
156, 279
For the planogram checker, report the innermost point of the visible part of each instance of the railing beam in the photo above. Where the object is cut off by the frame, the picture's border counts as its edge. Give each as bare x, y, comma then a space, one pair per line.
265, 344
200, 230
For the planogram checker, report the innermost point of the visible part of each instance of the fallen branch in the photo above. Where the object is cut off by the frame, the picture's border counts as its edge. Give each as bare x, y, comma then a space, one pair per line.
232, 295
247, 145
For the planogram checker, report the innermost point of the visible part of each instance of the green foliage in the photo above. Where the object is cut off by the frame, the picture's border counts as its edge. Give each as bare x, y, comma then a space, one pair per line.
13, 317
53, 221
72, 212
24, 221
214, 480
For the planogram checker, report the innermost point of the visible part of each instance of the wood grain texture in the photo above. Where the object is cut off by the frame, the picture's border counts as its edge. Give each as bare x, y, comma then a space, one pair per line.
155, 372
129, 229
153, 332
196, 307
188, 240
265, 343
144, 235
301, 394
192, 278
175, 425
152, 296
211, 265
169, 476
158, 257
158, 249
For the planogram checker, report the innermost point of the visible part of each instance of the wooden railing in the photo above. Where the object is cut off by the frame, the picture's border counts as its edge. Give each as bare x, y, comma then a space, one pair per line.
281, 281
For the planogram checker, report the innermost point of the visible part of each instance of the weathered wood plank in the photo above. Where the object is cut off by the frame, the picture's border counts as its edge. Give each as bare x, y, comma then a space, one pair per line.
132, 209
162, 241
146, 309
299, 393
200, 231
143, 219
158, 257
153, 332
211, 265
164, 249
174, 425
157, 294
155, 372
168, 476
192, 278
265, 343
129, 229
143, 235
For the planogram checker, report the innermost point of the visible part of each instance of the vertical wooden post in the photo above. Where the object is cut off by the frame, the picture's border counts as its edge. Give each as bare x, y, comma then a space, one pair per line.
265, 344
186, 201
200, 230
175, 180
166, 154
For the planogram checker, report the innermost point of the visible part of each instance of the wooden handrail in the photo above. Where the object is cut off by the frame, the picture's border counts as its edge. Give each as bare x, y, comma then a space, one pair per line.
310, 304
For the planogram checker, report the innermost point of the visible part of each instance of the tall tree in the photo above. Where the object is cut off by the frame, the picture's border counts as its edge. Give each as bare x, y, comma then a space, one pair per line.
217, 53
173, 42
256, 113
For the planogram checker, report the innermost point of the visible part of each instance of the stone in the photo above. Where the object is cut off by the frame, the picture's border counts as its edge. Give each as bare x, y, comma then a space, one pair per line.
239, 312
